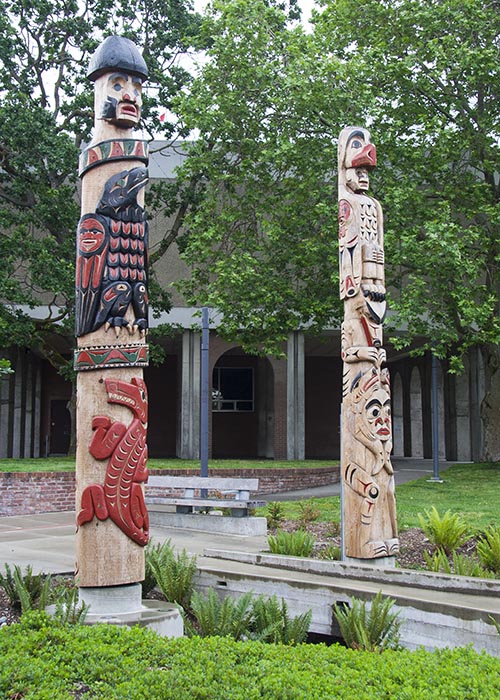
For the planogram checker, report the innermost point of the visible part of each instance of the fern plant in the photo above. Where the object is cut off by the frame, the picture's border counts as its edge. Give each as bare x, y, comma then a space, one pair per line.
174, 574
373, 628
332, 552
488, 549
160, 553
222, 618
295, 544
26, 591
461, 565
448, 531
272, 623
68, 609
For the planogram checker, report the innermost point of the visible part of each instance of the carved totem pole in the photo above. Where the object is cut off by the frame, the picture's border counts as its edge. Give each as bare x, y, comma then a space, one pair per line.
369, 506
111, 324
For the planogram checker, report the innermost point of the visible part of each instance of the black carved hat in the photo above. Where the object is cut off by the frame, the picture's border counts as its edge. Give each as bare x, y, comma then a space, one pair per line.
117, 53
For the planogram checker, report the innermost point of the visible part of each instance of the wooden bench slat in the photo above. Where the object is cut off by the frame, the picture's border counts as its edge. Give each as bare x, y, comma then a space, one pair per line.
219, 483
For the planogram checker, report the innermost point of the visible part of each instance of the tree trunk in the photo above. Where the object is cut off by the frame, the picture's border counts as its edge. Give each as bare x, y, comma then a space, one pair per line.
490, 405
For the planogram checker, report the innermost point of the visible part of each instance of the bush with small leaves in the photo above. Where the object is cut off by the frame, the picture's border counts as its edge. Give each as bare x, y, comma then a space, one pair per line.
295, 544
42, 659
373, 627
275, 514
447, 531
488, 549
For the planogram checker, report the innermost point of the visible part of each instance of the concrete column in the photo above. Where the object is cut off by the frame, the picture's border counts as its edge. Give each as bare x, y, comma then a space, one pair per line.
28, 411
476, 394
295, 396
189, 441
17, 408
37, 408
4, 415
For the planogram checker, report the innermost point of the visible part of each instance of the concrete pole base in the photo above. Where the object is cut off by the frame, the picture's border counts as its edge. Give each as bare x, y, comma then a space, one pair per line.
378, 563
122, 605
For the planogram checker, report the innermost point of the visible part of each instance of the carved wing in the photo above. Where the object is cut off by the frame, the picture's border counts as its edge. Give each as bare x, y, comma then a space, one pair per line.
92, 247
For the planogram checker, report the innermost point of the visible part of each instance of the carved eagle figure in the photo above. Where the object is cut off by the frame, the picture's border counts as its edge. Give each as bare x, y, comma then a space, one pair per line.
112, 258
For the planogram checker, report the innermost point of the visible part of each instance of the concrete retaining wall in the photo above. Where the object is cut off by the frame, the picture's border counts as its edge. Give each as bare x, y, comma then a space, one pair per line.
45, 492
436, 611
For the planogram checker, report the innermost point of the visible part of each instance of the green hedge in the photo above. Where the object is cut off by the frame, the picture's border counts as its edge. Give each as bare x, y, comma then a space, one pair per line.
41, 660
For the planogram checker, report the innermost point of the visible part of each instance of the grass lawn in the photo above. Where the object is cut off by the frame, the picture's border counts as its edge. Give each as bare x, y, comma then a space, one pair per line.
65, 464
473, 490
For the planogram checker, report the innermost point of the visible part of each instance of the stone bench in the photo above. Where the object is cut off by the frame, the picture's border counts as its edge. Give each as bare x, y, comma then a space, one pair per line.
191, 494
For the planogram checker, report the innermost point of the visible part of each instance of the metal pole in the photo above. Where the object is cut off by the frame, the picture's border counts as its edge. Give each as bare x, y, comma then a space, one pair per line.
435, 420
205, 340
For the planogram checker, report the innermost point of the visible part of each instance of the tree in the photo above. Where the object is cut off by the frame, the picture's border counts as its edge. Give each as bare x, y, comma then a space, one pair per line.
259, 238
46, 114
269, 104
434, 73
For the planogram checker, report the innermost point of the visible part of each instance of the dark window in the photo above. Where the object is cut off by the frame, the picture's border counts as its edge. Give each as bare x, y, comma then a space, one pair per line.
232, 389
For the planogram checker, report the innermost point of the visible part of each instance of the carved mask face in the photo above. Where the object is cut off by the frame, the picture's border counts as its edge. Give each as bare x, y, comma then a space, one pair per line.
377, 415
357, 179
122, 99
91, 235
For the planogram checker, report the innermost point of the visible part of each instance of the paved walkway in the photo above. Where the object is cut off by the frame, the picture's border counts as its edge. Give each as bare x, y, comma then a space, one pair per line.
46, 542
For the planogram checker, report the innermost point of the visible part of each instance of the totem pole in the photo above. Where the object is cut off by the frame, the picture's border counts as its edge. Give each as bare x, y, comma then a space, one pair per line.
369, 506
111, 324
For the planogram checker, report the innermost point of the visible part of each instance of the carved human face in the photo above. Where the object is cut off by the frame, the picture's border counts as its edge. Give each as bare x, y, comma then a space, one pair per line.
91, 235
377, 415
357, 179
122, 99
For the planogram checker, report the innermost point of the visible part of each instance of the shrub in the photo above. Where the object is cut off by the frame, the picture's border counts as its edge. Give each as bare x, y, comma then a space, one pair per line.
371, 629
488, 549
26, 591
271, 622
461, 565
275, 514
448, 531
295, 544
160, 553
308, 512
174, 574
42, 660
229, 617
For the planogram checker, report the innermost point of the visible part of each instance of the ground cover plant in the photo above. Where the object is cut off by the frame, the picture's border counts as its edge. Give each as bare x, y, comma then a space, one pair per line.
40, 659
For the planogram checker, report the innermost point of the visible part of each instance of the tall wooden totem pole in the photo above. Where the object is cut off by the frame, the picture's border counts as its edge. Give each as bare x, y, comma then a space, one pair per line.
369, 507
111, 324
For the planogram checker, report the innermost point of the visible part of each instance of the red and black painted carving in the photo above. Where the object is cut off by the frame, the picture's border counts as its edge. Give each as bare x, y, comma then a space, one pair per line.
121, 497
112, 258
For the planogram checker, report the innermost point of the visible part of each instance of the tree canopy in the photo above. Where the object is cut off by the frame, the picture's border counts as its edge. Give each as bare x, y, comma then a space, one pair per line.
46, 113
269, 104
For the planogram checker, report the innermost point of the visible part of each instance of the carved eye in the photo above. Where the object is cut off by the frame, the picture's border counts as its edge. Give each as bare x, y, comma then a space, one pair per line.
117, 87
356, 144
375, 412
